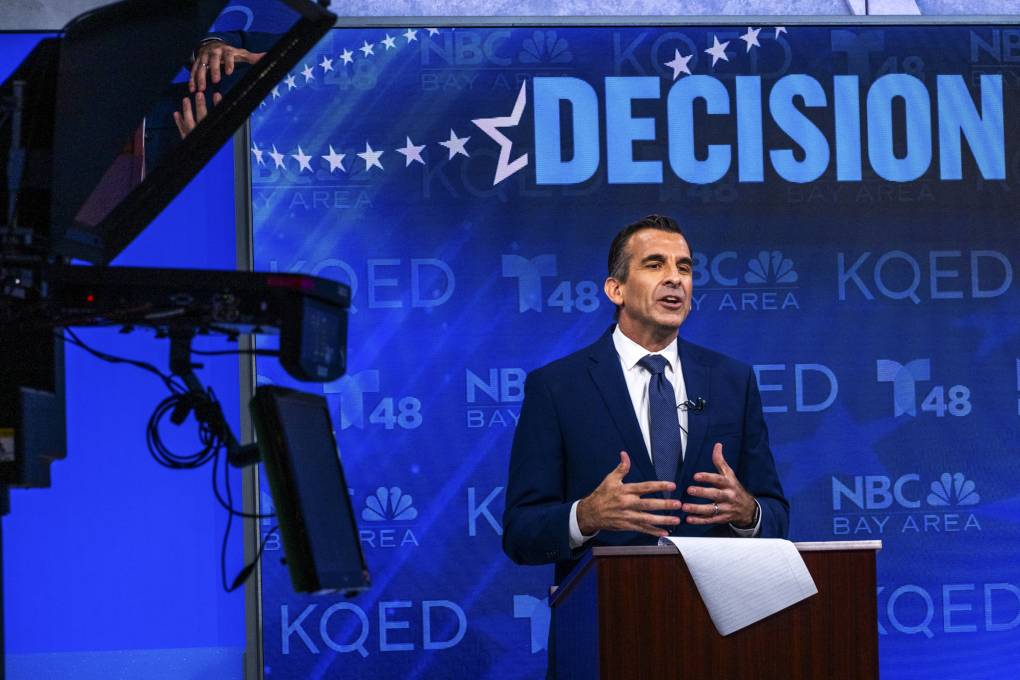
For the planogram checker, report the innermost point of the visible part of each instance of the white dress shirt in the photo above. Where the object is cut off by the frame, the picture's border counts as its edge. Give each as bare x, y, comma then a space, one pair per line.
637, 378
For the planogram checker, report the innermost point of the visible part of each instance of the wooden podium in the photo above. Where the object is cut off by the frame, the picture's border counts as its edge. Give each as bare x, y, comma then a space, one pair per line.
636, 613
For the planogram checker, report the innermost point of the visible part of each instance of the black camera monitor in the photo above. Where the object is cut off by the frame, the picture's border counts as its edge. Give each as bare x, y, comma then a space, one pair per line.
313, 506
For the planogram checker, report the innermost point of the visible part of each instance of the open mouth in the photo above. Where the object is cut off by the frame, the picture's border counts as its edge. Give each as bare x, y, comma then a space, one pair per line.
672, 301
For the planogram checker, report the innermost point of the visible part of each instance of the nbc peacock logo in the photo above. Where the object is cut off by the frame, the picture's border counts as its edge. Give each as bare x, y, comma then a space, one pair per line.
389, 516
765, 280
953, 490
545, 47
770, 267
389, 505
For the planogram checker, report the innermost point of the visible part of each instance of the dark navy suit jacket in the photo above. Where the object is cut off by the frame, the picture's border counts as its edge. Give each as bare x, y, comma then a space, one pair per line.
576, 418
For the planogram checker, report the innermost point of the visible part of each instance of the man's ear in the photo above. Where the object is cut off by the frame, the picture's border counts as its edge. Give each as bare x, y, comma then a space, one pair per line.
614, 290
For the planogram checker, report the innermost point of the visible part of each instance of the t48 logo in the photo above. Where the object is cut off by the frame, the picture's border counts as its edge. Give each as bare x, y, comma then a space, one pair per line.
939, 400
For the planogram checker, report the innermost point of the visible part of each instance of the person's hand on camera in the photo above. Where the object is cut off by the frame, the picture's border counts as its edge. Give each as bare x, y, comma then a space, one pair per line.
191, 115
216, 59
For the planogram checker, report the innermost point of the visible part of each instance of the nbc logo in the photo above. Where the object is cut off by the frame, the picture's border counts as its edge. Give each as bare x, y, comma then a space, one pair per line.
879, 504
770, 267
389, 504
953, 489
769, 273
388, 513
545, 47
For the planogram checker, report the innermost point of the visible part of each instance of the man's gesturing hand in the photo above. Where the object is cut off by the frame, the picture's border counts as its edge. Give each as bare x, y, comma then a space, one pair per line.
620, 507
728, 501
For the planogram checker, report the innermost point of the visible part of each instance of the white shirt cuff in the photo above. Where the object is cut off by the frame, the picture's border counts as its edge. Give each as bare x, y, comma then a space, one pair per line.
753, 531
577, 539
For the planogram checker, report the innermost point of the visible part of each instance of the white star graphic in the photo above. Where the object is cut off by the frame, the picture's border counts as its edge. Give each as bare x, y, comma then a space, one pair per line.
432, 31
258, 154
367, 49
456, 144
411, 34
490, 126
780, 29
290, 82
371, 157
751, 38
334, 159
388, 42
411, 152
277, 157
276, 92
718, 51
679, 64
347, 56
302, 158
308, 73
326, 64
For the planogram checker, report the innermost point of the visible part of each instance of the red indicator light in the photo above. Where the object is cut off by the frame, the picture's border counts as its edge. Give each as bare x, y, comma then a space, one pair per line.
295, 281
90, 298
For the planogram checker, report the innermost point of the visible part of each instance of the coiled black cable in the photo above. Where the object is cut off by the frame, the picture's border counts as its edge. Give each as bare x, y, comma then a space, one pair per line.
213, 433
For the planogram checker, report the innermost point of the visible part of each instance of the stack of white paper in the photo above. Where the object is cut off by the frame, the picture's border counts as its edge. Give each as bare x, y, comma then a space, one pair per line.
744, 580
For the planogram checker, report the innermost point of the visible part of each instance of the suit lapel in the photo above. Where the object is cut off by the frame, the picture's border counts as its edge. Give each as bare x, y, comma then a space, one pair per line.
696, 381
608, 377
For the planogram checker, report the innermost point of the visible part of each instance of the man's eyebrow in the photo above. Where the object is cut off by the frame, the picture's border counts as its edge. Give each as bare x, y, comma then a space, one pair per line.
657, 257
654, 257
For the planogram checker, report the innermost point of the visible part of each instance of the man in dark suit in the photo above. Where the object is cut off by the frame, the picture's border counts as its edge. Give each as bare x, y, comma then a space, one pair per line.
640, 435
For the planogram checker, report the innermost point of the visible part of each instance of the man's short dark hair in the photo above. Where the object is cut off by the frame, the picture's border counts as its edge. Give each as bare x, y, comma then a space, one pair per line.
619, 255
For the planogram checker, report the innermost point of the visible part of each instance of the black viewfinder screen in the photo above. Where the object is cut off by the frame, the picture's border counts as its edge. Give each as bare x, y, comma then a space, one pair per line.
309, 490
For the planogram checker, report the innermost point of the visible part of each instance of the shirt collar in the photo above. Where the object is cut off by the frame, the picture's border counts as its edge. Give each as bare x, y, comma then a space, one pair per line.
631, 352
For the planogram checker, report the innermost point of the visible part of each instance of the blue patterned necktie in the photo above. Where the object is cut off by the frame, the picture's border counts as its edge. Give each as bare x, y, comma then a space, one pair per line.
664, 425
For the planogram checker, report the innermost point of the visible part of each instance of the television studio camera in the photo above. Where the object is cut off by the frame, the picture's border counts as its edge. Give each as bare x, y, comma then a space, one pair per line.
79, 183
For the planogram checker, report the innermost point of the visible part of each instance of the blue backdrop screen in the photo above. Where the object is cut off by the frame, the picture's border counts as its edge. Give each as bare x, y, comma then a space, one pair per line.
850, 196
